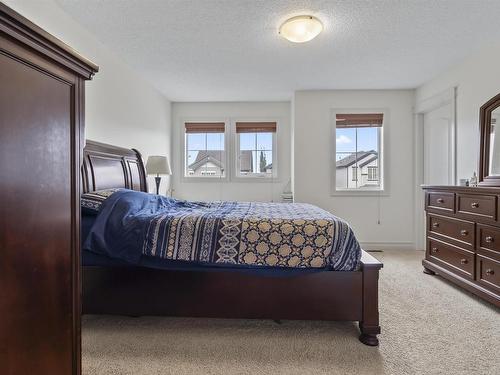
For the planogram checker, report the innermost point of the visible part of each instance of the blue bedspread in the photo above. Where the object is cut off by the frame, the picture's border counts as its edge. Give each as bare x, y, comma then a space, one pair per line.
132, 225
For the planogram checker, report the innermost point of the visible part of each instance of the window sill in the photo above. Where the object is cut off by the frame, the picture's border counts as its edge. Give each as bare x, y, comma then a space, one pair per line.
204, 179
359, 193
226, 180
255, 179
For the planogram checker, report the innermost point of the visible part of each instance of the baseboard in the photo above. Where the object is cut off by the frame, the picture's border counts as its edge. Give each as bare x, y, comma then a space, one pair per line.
387, 245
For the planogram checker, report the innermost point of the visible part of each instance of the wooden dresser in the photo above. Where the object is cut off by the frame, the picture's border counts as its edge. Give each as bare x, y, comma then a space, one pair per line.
463, 237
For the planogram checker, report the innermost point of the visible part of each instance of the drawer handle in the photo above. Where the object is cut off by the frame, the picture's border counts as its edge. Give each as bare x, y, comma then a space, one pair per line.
435, 225
440, 200
474, 205
489, 239
434, 250
464, 261
464, 232
490, 272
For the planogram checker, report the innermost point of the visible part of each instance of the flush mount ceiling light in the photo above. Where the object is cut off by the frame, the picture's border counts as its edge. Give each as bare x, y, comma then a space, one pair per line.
301, 29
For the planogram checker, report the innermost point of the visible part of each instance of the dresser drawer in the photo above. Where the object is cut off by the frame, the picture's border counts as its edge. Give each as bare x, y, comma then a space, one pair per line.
460, 231
488, 273
459, 260
484, 206
488, 241
441, 201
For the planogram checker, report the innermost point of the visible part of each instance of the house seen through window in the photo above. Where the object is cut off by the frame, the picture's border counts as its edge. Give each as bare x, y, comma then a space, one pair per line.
205, 150
358, 139
255, 149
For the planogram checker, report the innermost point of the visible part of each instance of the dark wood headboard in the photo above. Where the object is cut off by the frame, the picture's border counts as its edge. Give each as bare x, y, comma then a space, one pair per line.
107, 166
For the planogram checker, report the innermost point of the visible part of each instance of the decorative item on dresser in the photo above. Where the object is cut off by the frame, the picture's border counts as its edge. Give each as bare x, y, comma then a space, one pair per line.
463, 223
42, 84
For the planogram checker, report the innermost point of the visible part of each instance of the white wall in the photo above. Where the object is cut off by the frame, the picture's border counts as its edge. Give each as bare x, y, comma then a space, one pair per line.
313, 147
242, 191
121, 108
477, 80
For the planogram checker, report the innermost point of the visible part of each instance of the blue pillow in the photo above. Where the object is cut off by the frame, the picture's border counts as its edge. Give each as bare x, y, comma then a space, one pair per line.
91, 202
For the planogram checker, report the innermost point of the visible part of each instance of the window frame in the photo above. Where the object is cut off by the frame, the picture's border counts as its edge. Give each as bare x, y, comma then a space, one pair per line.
184, 151
382, 146
254, 177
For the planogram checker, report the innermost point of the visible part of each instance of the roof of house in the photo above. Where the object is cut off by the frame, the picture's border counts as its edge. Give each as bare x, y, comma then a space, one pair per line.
203, 157
369, 160
356, 156
215, 156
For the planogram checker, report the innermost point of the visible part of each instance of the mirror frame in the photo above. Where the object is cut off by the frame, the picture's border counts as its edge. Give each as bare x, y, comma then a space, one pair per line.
484, 179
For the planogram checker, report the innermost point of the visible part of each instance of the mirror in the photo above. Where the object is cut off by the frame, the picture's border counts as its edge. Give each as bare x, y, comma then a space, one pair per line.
494, 152
489, 157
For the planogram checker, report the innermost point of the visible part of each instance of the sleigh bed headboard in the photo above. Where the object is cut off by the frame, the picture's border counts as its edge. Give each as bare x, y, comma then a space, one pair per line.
107, 166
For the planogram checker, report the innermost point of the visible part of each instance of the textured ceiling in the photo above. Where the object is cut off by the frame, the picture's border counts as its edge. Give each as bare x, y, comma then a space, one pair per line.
229, 50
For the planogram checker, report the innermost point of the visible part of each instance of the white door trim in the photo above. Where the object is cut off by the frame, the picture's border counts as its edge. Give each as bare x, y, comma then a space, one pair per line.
427, 105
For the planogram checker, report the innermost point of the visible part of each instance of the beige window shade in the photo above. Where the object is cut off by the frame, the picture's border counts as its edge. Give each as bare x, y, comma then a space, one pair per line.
359, 120
205, 127
255, 127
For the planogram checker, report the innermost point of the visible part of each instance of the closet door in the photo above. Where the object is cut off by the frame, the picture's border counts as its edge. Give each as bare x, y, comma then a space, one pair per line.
41, 102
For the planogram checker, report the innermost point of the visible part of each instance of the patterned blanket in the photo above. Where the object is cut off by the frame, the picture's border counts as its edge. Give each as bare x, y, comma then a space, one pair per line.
134, 224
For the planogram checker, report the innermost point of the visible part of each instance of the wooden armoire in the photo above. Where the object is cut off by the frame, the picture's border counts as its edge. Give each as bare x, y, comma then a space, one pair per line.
41, 137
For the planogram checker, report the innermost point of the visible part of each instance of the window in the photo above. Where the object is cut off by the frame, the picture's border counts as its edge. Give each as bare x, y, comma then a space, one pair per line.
354, 174
358, 153
205, 155
255, 145
372, 173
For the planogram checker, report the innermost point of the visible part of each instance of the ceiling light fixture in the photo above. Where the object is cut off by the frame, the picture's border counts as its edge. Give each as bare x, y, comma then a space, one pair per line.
301, 29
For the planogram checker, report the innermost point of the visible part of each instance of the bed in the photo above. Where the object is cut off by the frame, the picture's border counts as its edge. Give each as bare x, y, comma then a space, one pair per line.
193, 287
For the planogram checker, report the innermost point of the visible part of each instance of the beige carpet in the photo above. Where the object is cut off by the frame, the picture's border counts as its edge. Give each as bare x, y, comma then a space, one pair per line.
429, 327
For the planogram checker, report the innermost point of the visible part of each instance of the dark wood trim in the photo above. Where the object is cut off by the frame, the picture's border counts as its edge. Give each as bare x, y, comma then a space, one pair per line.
484, 143
77, 142
91, 177
369, 325
487, 190
327, 295
31, 35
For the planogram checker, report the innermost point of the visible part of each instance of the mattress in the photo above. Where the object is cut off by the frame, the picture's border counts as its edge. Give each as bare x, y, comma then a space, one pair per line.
141, 229
91, 259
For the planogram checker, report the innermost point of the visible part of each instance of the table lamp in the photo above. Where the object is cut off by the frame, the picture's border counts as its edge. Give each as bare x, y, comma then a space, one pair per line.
158, 165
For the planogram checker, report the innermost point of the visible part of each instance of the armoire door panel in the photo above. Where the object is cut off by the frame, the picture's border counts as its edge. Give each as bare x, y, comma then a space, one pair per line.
36, 205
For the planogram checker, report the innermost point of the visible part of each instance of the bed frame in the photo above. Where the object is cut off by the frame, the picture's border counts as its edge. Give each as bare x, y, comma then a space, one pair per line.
135, 291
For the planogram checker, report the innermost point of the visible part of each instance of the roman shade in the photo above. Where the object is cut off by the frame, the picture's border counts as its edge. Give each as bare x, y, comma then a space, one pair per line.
255, 127
359, 120
205, 127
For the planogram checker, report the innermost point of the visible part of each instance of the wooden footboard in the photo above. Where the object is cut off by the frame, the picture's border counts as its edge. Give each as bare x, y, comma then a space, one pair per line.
369, 324
329, 295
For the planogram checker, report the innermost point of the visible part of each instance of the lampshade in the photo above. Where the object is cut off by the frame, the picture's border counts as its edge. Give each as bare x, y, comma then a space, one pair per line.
301, 29
158, 165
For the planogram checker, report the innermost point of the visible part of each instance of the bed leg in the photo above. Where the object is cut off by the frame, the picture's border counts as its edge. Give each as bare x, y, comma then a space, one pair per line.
428, 271
368, 339
369, 326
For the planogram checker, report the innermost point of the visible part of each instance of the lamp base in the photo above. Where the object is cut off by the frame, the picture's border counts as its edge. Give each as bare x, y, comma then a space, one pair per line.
157, 180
